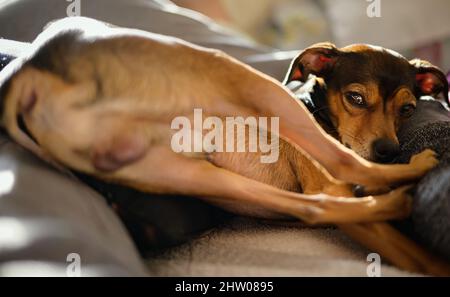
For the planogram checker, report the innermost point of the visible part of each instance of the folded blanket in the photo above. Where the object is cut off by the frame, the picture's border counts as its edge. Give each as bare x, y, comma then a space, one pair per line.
430, 221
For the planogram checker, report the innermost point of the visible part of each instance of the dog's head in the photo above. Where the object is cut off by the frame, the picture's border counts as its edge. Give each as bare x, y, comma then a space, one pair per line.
369, 92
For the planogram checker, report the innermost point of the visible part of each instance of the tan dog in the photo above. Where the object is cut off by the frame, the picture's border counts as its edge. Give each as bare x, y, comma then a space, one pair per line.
362, 93
101, 100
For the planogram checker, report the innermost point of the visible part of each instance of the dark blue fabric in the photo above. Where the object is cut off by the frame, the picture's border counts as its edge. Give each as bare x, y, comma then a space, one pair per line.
4, 60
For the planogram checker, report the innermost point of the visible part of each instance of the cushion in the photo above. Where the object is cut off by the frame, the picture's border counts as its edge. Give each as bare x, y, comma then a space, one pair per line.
45, 216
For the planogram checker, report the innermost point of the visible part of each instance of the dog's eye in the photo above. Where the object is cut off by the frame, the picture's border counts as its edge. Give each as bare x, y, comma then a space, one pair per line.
407, 110
355, 99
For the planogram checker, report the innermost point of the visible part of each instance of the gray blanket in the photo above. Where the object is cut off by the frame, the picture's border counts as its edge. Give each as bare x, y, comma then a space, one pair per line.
430, 221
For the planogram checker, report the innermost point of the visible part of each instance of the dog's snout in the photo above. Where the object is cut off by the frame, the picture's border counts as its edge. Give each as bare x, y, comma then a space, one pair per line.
384, 150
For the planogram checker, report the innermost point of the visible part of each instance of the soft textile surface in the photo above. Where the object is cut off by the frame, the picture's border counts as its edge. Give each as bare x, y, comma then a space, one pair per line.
430, 128
248, 247
45, 216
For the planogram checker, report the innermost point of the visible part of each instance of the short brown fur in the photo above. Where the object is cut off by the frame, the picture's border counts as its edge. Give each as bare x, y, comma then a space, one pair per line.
105, 107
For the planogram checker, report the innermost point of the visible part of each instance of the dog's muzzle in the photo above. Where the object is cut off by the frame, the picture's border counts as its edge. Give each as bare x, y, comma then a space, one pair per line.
385, 150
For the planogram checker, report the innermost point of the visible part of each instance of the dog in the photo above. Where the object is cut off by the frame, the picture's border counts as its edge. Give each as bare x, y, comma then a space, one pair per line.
364, 94
99, 100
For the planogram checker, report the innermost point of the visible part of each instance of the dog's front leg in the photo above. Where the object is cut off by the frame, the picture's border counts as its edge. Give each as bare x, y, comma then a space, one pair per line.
267, 97
159, 171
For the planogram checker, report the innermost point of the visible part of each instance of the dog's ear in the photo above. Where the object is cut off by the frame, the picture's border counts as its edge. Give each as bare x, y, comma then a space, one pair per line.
430, 79
318, 59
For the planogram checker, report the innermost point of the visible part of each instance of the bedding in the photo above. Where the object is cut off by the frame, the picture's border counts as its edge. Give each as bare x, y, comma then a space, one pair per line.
429, 127
45, 216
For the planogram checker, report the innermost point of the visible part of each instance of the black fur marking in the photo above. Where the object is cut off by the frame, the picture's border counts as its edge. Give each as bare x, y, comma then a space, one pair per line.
316, 101
4, 60
54, 55
387, 71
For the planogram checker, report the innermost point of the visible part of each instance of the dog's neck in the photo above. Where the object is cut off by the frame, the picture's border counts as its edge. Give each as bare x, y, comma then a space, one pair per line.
314, 95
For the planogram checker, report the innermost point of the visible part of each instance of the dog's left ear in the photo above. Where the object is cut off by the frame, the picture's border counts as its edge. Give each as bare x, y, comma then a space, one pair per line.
430, 79
318, 59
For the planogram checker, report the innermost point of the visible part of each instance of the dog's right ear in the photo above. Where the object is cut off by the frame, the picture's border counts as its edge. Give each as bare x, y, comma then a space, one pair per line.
317, 59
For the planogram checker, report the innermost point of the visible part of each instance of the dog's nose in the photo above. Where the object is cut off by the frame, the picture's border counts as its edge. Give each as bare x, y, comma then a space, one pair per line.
384, 150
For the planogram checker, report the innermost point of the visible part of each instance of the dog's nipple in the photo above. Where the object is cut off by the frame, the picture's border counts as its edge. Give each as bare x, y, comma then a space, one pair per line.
29, 102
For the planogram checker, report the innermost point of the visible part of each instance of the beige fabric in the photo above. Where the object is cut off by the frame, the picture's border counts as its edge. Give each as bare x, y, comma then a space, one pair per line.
249, 247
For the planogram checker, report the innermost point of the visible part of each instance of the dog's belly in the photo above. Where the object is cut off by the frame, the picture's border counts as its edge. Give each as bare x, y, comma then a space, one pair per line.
278, 174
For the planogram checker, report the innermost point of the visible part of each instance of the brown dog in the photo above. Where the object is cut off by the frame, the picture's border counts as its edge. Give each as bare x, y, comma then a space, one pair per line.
363, 93
101, 100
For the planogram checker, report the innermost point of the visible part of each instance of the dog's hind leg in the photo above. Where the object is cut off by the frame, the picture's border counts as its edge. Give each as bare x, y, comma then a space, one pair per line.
396, 248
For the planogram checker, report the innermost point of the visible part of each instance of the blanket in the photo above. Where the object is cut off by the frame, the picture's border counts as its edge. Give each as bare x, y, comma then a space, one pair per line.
429, 127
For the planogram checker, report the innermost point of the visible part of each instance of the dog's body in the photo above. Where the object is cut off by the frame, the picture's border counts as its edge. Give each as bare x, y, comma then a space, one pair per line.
123, 111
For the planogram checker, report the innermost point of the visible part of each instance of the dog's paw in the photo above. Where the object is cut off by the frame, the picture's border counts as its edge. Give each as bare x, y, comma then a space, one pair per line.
424, 161
398, 202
